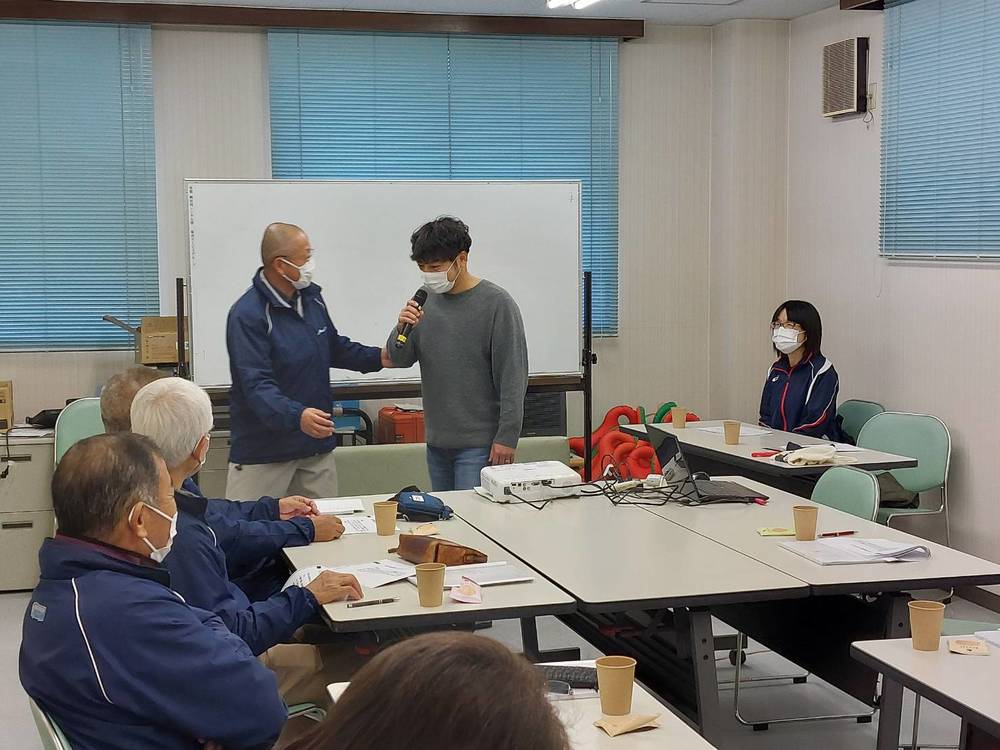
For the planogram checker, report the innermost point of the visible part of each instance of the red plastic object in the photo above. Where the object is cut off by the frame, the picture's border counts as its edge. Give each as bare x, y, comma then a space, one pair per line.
642, 462
612, 421
398, 426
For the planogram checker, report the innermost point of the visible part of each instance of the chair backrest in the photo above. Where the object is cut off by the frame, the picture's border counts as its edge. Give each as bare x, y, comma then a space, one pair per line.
49, 732
386, 469
850, 490
854, 413
920, 436
80, 419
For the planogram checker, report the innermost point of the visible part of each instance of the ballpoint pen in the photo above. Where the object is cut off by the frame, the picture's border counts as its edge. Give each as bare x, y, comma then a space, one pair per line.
372, 602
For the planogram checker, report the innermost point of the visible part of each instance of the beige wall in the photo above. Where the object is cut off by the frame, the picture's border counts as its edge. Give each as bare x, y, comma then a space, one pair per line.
915, 336
211, 119
662, 350
749, 148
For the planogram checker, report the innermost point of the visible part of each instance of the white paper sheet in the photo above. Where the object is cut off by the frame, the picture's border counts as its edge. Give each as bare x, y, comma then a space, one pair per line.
746, 430
990, 636
336, 506
369, 575
360, 525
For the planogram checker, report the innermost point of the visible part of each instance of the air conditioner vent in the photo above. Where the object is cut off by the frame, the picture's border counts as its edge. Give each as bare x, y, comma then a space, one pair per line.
845, 77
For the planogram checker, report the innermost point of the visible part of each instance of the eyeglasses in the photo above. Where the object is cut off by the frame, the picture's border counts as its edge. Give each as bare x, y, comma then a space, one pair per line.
788, 326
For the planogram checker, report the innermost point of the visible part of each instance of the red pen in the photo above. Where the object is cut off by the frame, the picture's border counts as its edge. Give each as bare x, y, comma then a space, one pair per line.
764, 454
837, 533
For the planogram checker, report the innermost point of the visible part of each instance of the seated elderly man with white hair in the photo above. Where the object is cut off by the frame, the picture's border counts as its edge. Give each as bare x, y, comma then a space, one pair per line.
177, 415
252, 549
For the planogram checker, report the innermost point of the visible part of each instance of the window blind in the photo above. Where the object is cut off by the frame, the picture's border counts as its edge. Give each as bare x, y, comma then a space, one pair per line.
941, 129
400, 106
77, 184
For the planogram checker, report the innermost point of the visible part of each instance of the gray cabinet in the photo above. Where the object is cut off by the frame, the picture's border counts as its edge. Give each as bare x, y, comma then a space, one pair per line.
26, 517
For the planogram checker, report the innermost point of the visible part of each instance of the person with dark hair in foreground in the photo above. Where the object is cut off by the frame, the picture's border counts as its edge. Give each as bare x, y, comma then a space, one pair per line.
444, 690
473, 359
115, 657
800, 393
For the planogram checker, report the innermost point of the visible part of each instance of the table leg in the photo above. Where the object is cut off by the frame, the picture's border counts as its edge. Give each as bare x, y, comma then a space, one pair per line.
702, 645
529, 645
890, 715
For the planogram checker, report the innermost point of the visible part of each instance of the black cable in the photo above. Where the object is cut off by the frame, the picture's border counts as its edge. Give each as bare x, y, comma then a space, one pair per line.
6, 469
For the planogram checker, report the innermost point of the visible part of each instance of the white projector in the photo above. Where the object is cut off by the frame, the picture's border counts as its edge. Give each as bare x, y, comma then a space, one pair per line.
541, 480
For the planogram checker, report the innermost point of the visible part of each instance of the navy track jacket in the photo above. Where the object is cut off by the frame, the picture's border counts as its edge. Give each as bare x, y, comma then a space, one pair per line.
122, 662
803, 398
197, 564
252, 535
280, 355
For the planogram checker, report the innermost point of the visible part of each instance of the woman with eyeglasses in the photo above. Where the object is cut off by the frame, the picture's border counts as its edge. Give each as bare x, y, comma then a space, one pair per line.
800, 394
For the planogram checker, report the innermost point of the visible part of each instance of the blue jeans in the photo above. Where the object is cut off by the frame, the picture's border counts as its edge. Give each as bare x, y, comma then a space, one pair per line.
455, 468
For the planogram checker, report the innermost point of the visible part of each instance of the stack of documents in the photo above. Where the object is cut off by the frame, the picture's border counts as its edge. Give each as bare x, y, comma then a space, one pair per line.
852, 551
485, 574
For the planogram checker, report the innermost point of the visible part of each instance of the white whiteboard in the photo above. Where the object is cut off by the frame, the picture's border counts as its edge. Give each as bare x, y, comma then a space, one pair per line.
525, 237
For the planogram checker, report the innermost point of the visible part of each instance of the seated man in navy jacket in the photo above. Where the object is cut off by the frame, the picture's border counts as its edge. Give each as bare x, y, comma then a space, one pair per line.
177, 415
252, 549
282, 344
115, 657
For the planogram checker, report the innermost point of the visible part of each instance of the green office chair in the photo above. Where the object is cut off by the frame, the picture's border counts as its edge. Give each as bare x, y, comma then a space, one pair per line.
919, 436
80, 419
306, 710
848, 489
53, 738
949, 629
48, 731
852, 491
855, 413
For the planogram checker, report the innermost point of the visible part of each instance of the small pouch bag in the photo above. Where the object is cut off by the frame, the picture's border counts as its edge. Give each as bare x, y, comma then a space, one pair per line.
417, 506
426, 549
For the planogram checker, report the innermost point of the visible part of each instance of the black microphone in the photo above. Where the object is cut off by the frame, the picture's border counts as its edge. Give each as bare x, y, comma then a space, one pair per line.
420, 297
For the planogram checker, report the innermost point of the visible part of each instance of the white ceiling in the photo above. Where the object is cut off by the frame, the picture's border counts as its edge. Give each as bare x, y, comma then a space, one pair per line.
689, 12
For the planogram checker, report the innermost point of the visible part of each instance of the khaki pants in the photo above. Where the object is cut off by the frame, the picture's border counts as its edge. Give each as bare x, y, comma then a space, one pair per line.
303, 672
311, 477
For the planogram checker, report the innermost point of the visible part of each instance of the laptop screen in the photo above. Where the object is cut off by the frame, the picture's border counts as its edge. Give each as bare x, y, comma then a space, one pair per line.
668, 453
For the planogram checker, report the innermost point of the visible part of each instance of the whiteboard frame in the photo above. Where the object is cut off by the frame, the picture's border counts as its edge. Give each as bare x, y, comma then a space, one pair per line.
375, 383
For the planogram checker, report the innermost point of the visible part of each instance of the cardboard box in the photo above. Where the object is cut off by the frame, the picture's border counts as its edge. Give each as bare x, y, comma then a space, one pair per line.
156, 341
6, 404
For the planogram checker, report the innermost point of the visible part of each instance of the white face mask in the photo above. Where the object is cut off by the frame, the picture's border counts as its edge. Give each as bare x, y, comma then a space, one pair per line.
204, 458
158, 554
786, 340
306, 271
437, 281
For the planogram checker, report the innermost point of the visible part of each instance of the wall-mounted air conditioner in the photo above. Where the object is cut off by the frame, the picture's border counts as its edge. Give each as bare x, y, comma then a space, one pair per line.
845, 77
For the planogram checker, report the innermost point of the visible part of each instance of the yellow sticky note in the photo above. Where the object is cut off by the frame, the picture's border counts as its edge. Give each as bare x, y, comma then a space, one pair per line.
776, 531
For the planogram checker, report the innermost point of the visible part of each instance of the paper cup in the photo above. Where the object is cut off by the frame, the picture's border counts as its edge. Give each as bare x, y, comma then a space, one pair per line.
925, 624
805, 522
679, 417
615, 678
430, 584
732, 430
385, 517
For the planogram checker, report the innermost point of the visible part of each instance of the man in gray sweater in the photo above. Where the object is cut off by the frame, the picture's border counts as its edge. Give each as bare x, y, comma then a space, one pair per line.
473, 359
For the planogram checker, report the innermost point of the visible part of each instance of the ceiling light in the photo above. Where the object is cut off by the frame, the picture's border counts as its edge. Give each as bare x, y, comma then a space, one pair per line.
559, 3
581, 4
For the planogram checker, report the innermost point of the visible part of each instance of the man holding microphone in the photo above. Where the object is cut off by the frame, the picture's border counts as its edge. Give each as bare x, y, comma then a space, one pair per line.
282, 344
473, 359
